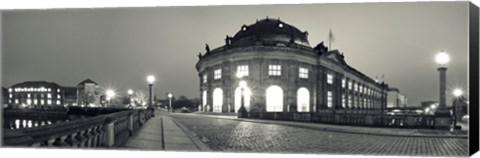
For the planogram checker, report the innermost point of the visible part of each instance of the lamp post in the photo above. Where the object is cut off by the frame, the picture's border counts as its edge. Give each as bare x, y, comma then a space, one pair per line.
110, 94
457, 93
130, 92
242, 111
170, 95
150, 80
442, 115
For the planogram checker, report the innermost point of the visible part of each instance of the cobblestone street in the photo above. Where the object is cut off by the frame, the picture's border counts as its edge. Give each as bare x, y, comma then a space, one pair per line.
242, 136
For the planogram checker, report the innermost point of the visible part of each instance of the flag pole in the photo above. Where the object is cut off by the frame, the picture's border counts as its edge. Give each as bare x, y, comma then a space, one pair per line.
330, 39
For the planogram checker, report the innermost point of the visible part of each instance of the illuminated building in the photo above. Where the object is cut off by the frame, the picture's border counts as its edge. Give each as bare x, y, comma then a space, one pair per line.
283, 73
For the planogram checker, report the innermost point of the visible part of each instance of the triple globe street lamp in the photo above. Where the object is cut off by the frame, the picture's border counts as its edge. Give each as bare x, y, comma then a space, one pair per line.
150, 80
170, 95
442, 114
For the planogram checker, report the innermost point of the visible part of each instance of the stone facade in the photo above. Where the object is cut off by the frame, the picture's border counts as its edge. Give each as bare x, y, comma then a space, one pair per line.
283, 71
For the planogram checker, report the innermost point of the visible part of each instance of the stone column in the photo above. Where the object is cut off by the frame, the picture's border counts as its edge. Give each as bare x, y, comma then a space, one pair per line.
110, 132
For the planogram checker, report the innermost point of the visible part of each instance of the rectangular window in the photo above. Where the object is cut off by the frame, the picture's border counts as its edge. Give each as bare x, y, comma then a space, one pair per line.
303, 72
242, 70
49, 95
356, 87
42, 102
274, 70
35, 102
361, 88
16, 101
350, 85
329, 78
28, 95
343, 83
343, 101
329, 99
205, 78
350, 101
217, 74
11, 96
58, 102
49, 102
365, 102
58, 96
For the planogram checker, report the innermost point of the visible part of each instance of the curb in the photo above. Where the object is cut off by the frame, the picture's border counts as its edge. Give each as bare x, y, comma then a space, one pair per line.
202, 146
339, 130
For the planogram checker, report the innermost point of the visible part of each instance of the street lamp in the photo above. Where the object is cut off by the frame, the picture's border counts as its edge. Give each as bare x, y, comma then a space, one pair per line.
150, 80
442, 119
242, 111
130, 92
170, 95
442, 59
457, 93
110, 94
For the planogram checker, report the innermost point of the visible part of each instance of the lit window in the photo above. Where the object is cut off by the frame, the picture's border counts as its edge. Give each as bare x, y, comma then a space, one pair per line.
49, 102
217, 74
274, 99
49, 95
350, 101
42, 102
356, 87
11, 96
28, 95
361, 88
29, 101
343, 83
274, 70
217, 100
329, 78
242, 70
58, 96
205, 78
58, 90
49, 89
329, 99
16, 101
303, 100
58, 102
10, 90
204, 98
343, 101
350, 85
365, 102
10, 101
35, 102
303, 72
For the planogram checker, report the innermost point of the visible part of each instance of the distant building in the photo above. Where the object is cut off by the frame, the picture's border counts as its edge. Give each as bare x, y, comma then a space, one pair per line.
395, 99
70, 96
88, 93
35, 93
277, 70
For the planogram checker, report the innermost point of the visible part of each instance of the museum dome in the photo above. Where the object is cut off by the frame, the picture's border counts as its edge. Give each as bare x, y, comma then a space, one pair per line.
269, 32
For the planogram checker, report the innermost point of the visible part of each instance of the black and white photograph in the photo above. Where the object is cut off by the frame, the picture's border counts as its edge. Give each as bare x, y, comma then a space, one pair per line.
378, 79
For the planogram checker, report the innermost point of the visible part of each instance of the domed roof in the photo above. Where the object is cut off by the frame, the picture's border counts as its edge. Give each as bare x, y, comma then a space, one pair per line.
270, 31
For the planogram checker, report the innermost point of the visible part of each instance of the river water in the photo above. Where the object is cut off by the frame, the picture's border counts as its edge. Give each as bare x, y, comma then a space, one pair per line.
17, 123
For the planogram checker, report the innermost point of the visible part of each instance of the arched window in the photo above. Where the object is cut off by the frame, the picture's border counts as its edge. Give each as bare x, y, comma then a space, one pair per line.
303, 100
246, 98
274, 99
204, 98
217, 100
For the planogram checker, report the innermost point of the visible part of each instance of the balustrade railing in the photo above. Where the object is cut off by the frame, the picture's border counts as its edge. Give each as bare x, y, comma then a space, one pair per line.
351, 118
100, 131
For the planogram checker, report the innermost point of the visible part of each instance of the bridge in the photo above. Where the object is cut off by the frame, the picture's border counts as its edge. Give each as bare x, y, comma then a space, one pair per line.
204, 131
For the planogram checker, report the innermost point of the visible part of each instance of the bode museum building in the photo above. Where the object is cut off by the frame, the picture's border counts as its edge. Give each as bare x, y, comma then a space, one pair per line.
273, 65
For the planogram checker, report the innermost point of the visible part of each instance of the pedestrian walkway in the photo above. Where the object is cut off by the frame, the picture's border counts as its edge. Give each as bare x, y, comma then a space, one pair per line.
355, 129
163, 133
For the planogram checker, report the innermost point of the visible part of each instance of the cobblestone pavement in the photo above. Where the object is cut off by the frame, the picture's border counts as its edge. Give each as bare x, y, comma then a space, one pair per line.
241, 136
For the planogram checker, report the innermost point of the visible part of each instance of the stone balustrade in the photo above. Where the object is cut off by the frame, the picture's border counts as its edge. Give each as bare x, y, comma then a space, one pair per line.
350, 118
101, 131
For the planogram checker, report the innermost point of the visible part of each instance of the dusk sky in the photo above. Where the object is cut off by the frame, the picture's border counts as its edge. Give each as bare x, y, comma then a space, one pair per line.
118, 48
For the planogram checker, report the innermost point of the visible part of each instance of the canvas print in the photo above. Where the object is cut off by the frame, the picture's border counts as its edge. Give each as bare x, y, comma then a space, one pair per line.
359, 78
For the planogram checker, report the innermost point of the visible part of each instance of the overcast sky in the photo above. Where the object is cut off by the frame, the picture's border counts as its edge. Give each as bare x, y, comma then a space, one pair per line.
118, 48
